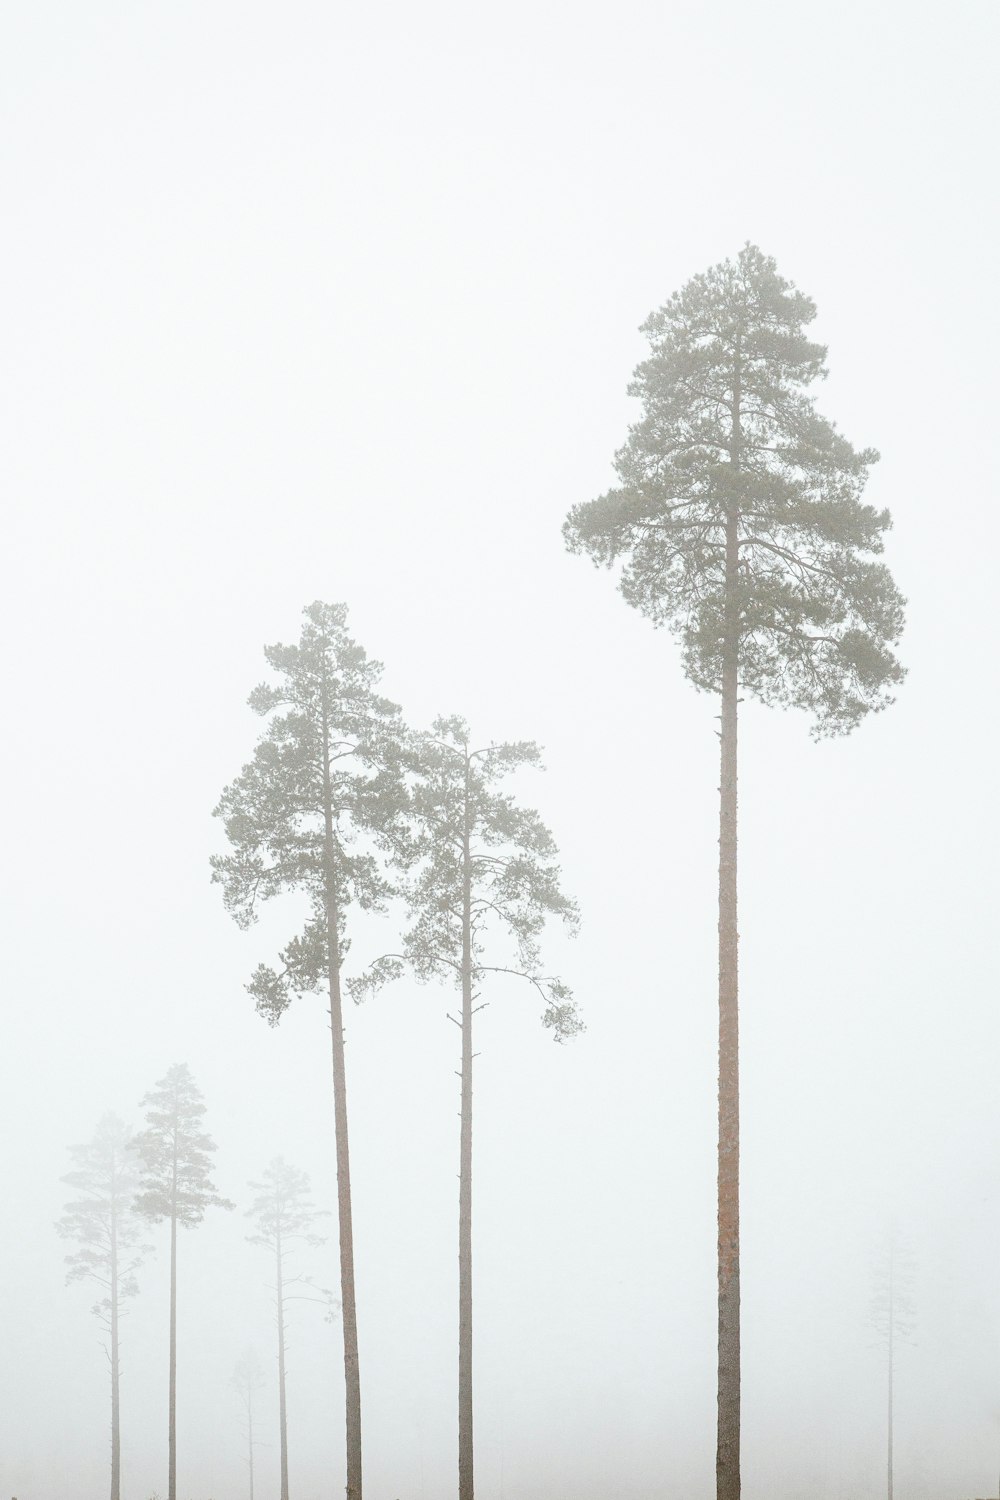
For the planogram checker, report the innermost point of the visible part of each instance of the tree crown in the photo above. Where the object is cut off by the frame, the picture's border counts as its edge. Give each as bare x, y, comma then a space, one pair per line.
101, 1219
464, 826
320, 797
176, 1153
730, 437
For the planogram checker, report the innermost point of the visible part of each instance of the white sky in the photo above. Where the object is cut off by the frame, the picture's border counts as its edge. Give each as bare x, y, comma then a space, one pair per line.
336, 302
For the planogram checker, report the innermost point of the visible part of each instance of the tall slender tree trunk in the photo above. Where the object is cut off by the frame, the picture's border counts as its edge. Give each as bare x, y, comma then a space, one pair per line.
282, 1408
116, 1447
172, 1407
892, 1320
727, 1462
465, 1443
250, 1434
348, 1302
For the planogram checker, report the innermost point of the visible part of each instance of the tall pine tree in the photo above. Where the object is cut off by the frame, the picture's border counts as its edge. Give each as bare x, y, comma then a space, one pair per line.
484, 881
176, 1186
103, 1223
739, 525
308, 814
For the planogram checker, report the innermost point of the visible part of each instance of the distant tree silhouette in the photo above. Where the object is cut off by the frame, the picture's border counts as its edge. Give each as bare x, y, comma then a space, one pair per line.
102, 1222
248, 1379
285, 1220
738, 523
175, 1186
893, 1316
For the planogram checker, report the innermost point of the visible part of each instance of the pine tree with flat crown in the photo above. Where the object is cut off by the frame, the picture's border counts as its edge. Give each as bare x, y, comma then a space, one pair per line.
738, 524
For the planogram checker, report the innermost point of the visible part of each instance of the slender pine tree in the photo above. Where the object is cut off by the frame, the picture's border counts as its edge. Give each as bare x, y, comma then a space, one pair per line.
739, 525
104, 1225
285, 1219
483, 879
176, 1187
308, 814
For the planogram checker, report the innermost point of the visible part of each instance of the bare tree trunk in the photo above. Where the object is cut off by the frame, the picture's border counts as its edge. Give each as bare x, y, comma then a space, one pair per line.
465, 1443
116, 1448
282, 1407
172, 1408
250, 1433
892, 1320
349, 1315
727, 1462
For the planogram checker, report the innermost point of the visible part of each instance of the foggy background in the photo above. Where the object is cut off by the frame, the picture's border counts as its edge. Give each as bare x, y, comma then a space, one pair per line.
336, 302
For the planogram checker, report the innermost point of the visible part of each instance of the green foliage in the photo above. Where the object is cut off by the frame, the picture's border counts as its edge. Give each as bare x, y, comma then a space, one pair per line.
462, 825
320, 797
728, 431
176, 1153
101, 1220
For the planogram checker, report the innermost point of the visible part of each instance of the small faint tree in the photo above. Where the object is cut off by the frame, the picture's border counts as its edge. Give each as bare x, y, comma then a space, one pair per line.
286, 1219
308, 814
739, 525
247, 1381
102, 1222
483, 878
175, 1186
893, 1317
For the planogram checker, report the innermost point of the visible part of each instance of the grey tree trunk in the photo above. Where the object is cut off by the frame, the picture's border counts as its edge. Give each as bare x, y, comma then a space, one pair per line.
727, 1462
892, 1320
116, 1447
172, 1408
349, 1315
282, 1407
465, 1442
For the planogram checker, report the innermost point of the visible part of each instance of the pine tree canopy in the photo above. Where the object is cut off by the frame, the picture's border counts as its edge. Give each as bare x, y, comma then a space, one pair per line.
101, 1220
176, 1153
282, 1207
317, 801
514, 875
729, 434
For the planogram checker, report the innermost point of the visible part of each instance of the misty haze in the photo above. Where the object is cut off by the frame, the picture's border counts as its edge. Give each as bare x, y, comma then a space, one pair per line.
500, 984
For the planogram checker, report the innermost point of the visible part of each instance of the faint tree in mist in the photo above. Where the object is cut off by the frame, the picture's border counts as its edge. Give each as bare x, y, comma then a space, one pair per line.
306, 814
285, 1220
102, 1222
739, 524
893, 1317
247, 1381
176, 1187
484, 871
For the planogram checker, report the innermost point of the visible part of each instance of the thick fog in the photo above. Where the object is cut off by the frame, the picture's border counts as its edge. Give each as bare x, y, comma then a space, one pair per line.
340, 303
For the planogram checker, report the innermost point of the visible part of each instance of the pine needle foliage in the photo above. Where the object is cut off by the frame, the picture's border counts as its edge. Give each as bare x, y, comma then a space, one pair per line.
319, 799
730, 437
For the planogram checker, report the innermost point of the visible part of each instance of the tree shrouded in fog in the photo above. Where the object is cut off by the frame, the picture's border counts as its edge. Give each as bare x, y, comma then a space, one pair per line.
175, 1186
739, 525
893, 1317
103, 1224
285, 1220
483, 882
307, 814
247, 1381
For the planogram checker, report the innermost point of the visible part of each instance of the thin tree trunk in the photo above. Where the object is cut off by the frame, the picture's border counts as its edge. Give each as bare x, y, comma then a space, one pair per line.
172, 1409
349, 1315
465, 1444
116, 1450
727, 1463
250, 1433
892, 1319
282, 1408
